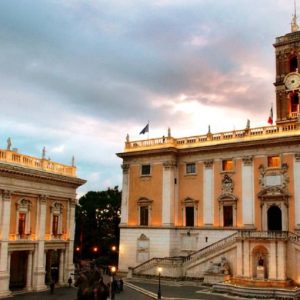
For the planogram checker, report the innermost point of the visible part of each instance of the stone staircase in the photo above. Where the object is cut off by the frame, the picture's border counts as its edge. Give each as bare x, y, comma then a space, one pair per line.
196, 263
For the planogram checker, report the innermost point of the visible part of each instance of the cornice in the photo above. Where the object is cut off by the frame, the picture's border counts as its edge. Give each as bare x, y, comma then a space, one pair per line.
8, 170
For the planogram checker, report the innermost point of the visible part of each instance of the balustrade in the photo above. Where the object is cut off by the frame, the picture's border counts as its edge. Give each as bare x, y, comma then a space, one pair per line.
217, 138
36, 163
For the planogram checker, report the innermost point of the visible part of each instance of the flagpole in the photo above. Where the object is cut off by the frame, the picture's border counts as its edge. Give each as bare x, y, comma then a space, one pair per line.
148, 129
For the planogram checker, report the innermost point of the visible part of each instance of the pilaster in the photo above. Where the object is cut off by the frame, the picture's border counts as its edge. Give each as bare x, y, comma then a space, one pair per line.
208, 193
125, 193
297, 190
4, 254
29, 272
168, 193
38, 280
247, 192
272, 261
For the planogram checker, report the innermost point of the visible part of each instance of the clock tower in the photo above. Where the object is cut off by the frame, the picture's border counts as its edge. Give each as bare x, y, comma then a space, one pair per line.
287, 84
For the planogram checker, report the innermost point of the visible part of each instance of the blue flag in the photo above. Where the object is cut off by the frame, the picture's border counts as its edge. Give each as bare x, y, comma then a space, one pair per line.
145, 129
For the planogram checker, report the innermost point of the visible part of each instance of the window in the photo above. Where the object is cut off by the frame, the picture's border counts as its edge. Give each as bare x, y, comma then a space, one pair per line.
144, 215
22, 224
227, 216
294, 102
293, 64
55, 225
189, 216
189, 212
146, 170
56, 220
227, 165
190, 168
273, 161
144, 211
23, 218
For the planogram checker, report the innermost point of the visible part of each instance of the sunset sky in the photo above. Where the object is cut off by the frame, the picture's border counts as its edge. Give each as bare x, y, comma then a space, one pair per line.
76, 76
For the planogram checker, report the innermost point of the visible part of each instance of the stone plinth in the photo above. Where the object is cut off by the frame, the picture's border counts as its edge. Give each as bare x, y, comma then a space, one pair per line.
260, 272
215, 278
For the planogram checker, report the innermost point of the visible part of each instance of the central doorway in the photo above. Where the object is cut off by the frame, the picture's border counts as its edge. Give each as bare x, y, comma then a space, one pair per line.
18, 270
274, 218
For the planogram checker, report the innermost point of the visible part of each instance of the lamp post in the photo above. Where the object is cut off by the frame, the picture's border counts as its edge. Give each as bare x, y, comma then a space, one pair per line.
113, 270
159, 269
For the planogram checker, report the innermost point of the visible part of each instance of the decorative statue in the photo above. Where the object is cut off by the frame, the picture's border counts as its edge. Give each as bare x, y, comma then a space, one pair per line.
248, 124
127, 138
73, 161
169, 132
221, 268
8, 144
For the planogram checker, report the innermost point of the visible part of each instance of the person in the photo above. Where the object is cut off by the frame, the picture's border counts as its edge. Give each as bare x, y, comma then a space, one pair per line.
52, 285
70, 281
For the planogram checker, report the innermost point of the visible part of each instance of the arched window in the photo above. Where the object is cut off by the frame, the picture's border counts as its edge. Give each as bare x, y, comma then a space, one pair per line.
274, 218
23, 208
56, 220
293, 63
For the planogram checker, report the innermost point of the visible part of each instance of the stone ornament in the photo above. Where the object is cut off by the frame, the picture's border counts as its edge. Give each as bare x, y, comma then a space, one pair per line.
220, 268
208, 163
227, 185
169, 164
125, 168
247, 160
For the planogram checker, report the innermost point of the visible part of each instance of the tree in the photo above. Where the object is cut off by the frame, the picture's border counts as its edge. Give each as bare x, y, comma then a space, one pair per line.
97, 223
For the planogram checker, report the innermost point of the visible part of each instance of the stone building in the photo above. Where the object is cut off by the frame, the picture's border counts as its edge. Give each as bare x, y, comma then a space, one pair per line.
37, 215
190, 201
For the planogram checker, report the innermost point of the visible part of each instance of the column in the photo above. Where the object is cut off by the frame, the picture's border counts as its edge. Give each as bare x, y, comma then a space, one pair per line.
29, 272
4, 254
61, 267
38, 264
239, 258
168, 193
208, 193
297, 190
246, 259
68, 261
247, 192
125, 194
281, 260
272, 261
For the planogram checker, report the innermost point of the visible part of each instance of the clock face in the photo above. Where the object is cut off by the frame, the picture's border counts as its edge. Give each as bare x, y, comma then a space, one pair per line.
292, 81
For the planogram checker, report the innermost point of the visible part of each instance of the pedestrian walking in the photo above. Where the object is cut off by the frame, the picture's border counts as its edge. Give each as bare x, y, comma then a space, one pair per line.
52, 285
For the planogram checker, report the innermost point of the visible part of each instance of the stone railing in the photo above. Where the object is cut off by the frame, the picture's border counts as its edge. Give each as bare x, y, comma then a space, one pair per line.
17, 237
247, 134
16, 158
165, 262
269, 235
211, 248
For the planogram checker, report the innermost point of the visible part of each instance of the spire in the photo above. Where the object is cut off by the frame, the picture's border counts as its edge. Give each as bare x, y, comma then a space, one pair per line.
294, 25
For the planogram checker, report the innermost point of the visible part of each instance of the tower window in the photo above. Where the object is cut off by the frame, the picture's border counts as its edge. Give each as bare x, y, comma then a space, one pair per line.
144, 215
294, 102
22, 224
293, 63
190, 168
227, 216
145, 170
227, 165
273, 161
189, 216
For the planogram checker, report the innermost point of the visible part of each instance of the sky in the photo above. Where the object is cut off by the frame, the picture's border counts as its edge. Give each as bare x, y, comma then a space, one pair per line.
77, 76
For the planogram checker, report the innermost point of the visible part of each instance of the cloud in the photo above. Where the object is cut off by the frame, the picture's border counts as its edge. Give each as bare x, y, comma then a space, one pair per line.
77, 76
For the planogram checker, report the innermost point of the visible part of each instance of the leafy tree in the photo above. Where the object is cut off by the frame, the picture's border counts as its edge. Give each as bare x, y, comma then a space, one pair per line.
97, 224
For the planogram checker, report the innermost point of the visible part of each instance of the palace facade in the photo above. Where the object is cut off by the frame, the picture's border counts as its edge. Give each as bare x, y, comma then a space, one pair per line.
37, 215
188, 202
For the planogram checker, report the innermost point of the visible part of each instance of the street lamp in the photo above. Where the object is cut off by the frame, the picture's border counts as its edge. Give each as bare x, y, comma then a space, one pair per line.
113, 270
159, 269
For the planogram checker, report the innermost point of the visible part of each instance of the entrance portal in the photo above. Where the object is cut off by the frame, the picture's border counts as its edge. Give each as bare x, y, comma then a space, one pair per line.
274, 218
18, 270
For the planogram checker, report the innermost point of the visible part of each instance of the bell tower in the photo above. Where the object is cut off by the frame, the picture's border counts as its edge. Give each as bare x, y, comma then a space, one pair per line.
287, 83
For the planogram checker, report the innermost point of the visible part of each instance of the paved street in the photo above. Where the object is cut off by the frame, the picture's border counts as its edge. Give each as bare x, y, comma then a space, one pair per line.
70, 294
